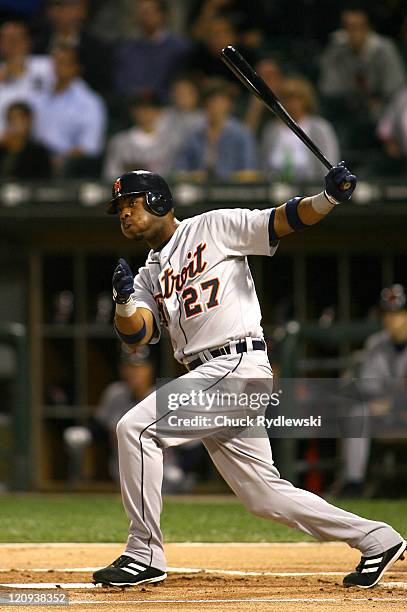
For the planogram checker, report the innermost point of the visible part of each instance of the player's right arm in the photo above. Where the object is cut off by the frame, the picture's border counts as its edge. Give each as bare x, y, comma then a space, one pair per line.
300, 213
135, 322
242, 231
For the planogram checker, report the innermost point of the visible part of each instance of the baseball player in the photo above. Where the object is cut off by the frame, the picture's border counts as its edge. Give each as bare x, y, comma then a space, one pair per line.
197, 283
384, 365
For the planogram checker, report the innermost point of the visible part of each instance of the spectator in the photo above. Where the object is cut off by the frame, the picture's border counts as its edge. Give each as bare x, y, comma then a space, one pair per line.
249, 17
206, 58
385, 368
185, 114
392, 127
282, 152
223, 148
150, 144
71, 118
270, 70
109, 20
150, 61
361, 67
20, 156
66, 25
21, 75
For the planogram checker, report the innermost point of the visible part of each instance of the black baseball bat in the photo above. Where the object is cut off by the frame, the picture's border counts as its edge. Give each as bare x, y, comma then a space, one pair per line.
254, 83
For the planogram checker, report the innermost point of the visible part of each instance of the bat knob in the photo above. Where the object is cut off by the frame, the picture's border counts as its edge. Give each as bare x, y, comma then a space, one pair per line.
345, 186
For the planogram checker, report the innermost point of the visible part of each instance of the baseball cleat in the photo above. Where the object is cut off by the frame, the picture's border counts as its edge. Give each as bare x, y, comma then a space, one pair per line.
371, 569
126, 572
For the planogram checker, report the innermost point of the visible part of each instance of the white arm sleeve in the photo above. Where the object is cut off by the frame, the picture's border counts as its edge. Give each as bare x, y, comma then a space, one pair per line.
239, 231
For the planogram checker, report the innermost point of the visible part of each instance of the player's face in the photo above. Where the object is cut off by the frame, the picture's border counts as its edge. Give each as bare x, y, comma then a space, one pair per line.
139, 378
136, 222
396, 325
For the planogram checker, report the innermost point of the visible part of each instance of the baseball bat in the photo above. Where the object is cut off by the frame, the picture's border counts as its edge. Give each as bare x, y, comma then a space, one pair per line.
254, 83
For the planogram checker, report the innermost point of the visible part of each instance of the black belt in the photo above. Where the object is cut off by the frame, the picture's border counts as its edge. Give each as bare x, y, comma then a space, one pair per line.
241, 347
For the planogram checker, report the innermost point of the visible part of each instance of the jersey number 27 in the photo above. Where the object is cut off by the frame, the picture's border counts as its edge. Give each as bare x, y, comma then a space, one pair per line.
190, 298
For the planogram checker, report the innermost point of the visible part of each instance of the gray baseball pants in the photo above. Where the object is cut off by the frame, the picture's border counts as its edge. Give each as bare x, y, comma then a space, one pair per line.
246, 464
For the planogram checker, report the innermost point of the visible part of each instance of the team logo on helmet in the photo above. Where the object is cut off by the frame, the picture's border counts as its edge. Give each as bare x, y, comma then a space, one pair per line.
393, 298
117, 187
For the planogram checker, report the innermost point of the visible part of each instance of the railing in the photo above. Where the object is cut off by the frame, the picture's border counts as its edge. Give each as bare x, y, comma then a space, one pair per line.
90, 193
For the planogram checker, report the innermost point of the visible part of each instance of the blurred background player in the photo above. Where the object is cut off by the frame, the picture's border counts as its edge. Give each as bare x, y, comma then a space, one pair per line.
136, 372
384, 365
136, 382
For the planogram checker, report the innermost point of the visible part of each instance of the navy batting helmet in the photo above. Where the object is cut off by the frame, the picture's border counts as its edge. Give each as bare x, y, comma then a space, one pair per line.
393, 298
141, 182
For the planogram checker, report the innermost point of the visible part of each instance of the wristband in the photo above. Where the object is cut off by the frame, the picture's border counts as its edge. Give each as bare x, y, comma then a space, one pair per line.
126, 310
330, 198
321, 204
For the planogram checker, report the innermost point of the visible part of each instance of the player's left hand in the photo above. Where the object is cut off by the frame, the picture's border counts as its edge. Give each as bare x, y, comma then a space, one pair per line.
334, 182
122, 282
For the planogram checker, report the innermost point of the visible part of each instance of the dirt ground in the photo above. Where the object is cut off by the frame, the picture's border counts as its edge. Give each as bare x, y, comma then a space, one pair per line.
231, 577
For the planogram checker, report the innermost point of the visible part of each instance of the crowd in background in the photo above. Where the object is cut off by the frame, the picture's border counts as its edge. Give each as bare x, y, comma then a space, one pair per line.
98, 88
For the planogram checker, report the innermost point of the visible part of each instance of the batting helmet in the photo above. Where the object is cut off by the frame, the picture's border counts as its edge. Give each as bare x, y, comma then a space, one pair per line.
393, 298
141, 182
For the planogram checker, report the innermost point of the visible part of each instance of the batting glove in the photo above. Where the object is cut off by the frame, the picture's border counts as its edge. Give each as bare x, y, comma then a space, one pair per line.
122, 282
335, 181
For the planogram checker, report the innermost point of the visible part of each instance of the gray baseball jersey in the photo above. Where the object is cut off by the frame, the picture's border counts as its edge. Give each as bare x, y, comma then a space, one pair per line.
199, 285
384, 363
384, 360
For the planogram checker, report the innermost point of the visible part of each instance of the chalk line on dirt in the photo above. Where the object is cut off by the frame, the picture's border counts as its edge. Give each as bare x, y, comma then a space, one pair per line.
177, 570
176, 544
233, 601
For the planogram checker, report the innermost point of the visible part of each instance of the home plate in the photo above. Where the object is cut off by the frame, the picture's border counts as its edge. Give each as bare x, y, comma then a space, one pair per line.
49, 585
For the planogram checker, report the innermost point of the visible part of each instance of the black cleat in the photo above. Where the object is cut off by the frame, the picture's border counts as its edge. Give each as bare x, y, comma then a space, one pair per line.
371, 569
126, 571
